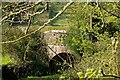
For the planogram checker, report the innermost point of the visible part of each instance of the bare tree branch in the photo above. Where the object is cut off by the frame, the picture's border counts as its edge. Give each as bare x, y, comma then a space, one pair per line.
29, 23
60, 12
36, 13
20, 11
27, 48
31, 15
110, 12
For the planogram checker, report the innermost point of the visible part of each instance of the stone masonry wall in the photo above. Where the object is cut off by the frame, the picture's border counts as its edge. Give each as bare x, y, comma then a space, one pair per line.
54, 41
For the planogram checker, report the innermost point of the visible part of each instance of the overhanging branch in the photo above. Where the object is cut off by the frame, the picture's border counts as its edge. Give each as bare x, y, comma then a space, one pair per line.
20, 11
31, 15
60, 12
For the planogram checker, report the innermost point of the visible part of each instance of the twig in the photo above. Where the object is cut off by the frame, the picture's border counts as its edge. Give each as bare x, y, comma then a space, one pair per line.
110, 12
39, 12
105, 75
117, 5
29, 23
25, 53
101, 15
65, 7
20, 11
31, 15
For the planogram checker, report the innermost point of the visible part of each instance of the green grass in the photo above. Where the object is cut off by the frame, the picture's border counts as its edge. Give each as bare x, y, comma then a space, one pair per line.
61, 22
47, 28
52, 76
49, 77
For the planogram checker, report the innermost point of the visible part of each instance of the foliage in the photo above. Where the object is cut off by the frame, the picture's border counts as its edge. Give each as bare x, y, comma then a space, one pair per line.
80, 29
32, 47
6, 60
29, 56
94, 43
69, 74
26, 46
90, 73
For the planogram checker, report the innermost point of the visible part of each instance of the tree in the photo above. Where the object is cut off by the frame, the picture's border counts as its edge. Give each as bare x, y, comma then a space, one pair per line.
92, 27
26, 47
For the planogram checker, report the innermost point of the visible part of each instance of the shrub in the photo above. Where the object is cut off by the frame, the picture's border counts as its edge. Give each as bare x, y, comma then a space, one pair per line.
30, 53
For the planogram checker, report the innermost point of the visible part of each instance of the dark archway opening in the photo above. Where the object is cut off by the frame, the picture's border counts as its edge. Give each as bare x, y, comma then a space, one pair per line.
61, 62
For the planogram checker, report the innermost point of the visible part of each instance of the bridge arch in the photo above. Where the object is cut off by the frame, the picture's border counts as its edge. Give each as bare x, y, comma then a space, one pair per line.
61, 62
58, 53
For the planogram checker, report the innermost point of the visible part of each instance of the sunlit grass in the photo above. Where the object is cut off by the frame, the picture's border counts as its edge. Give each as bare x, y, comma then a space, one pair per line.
47, 28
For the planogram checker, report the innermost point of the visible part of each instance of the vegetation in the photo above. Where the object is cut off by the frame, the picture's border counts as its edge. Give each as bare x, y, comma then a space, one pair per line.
93, 34
94, 37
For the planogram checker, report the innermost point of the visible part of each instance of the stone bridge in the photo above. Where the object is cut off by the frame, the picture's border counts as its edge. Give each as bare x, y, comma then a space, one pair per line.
59, 55
54, 40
